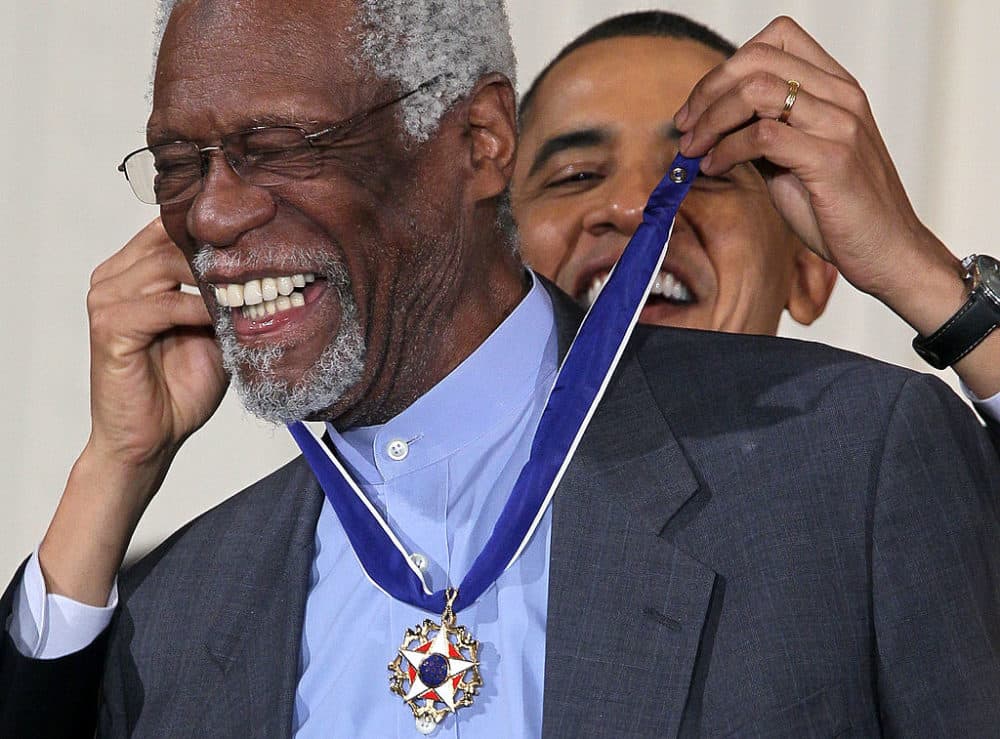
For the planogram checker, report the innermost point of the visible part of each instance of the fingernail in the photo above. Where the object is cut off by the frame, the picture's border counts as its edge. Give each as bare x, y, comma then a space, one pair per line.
706, 161
685, 141
680, 118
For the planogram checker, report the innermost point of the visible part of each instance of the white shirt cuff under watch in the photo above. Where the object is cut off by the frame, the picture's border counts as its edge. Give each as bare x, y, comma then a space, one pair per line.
989, 408
45, 626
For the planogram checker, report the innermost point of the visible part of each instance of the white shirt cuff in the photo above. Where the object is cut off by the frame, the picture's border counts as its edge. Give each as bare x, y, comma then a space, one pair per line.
45, 626
989, 408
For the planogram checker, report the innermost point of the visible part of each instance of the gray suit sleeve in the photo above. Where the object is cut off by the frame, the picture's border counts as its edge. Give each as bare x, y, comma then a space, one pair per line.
993, 427
935, 568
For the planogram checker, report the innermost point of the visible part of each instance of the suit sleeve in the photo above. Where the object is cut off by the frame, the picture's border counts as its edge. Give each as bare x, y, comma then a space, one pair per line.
994, 431
47, 698
935, 568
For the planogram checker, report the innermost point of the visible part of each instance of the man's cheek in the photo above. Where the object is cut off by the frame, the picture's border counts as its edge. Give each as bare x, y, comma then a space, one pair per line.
545, 242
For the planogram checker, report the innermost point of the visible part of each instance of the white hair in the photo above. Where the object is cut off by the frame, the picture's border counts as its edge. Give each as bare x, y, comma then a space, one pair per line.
410, 42
413, 41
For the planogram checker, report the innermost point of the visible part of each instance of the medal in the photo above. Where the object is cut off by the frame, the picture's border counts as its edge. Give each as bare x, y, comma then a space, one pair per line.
437, 665
436, 669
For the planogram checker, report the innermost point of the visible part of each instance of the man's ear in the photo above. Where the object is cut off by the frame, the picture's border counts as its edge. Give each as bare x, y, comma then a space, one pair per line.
492, 128
812, 283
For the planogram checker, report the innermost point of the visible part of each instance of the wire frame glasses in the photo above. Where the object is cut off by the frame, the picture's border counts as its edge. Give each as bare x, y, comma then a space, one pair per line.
265, 156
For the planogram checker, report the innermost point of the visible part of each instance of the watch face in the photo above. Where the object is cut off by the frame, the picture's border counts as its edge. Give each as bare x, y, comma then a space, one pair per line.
989, 276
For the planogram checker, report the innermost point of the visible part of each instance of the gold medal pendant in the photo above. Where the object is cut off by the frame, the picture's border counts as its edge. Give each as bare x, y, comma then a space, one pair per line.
436, 671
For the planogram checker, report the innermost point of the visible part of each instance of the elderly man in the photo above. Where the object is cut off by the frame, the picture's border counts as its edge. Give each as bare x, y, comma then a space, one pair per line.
750, 535
597, 132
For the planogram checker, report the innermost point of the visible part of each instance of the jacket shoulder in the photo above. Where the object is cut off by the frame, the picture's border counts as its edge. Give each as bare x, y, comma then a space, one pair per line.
737, 373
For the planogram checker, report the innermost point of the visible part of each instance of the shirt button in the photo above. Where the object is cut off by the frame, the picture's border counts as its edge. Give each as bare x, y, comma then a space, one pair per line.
420, 561
426, 725
397, 449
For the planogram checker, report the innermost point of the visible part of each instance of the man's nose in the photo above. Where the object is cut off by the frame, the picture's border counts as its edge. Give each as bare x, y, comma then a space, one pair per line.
227, 206
620, 204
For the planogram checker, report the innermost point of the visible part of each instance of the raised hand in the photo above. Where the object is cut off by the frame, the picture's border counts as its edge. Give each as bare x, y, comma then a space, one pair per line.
830, 176
156, 376
828, 170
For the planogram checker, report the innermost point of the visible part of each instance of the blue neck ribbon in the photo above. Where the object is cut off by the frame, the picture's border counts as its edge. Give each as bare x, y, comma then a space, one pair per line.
576, 392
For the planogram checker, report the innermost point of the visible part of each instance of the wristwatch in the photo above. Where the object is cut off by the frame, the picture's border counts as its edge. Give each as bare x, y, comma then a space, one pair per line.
973, 322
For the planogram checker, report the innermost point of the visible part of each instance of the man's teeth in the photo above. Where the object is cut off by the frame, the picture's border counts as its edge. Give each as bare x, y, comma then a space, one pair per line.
595, 288
270, 307
265, 297
671, 288
667, 286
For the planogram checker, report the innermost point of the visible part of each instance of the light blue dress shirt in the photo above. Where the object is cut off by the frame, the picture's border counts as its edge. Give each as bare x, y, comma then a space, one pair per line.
440, 472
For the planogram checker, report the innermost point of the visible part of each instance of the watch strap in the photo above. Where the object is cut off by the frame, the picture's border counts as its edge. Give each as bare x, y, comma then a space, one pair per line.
962, 333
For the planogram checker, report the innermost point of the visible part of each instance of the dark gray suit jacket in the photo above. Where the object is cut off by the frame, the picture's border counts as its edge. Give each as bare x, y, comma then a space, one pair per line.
757, 537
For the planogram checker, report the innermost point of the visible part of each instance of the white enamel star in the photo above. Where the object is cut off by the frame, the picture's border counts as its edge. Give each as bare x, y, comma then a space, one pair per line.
446, 690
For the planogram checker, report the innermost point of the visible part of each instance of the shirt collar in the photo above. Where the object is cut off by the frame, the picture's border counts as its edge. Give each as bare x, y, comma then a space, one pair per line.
483, 394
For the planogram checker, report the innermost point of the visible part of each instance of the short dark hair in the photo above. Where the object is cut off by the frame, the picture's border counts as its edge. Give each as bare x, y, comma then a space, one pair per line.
644, 23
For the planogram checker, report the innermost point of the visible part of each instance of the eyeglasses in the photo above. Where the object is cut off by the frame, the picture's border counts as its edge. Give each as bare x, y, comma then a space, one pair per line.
265, 156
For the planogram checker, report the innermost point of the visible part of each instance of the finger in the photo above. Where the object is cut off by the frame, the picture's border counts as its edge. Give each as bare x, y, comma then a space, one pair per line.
139, 321
157, 272
150, 239
758, 60
784, 33
781, 145
763, 96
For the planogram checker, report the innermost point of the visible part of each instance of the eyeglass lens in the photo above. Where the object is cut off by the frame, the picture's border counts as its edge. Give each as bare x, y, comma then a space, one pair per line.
266, 157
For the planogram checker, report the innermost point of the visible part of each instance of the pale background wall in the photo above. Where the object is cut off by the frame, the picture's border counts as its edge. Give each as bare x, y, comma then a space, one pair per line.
72, 99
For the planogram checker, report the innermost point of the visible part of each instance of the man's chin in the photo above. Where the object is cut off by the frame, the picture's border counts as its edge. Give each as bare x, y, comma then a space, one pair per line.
276, 371
274, 400
278, 387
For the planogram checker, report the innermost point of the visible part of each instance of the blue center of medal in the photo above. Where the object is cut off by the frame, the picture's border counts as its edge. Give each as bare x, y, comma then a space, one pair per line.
434, 671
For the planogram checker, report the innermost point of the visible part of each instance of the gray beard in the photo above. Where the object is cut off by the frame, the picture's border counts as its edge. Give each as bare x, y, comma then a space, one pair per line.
338, 368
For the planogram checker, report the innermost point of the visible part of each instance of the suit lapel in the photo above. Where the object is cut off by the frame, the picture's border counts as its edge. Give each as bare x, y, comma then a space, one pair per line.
626, 607
256, 637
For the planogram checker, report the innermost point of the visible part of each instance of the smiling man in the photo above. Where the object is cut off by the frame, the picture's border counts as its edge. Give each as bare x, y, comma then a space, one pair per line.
597, 135
598, 131
766, 542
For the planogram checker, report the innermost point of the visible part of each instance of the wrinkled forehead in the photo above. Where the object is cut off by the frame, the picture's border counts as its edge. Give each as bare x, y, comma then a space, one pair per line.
300, 36
249, 16
215, 54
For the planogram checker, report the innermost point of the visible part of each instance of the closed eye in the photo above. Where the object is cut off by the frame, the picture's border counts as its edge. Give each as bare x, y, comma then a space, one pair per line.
278, 157
574, 178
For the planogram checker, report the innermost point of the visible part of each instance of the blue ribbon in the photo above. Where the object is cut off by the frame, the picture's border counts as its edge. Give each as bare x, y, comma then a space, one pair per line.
585, 372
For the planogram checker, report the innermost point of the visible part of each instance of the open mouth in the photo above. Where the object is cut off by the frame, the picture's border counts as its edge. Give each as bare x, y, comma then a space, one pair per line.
265, 297
667, 288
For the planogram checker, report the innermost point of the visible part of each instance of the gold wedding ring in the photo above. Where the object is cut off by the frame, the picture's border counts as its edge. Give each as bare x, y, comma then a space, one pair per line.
793, 92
